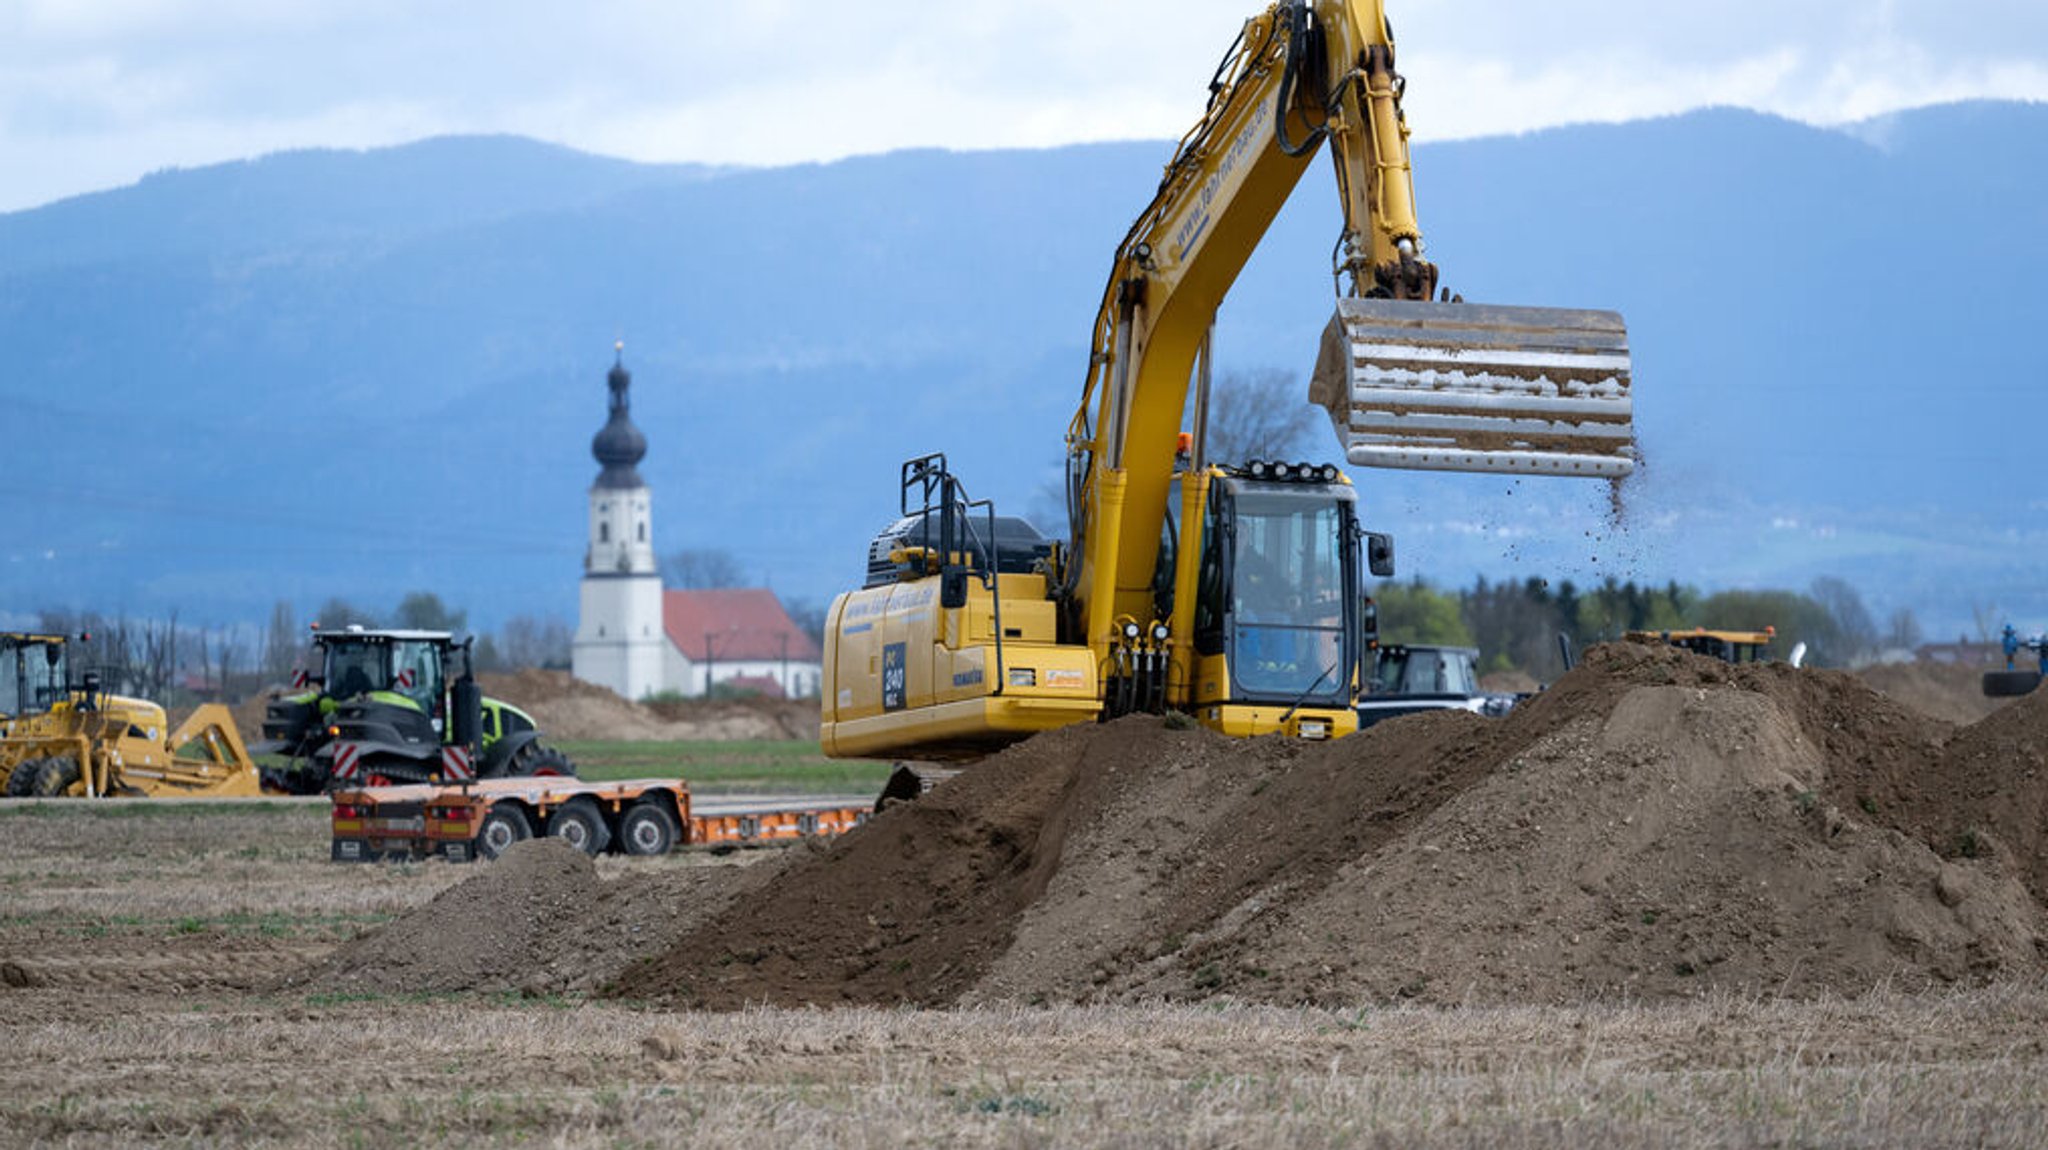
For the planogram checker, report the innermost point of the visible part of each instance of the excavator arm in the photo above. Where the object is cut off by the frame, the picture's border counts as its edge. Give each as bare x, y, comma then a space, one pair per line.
1409, 382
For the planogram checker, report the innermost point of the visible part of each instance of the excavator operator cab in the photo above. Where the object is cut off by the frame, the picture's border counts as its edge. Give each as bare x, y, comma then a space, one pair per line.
1282, 560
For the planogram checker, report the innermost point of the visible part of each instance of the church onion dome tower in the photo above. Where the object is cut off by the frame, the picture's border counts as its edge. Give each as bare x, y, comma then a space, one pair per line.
619, 636
619, 446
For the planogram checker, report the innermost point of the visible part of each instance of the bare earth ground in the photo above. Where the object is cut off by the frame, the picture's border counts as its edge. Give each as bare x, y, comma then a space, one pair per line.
1667, 903
149, 1016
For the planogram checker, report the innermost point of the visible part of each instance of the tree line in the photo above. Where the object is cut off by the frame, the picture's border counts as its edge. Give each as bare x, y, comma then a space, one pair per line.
176, 662
1516, 625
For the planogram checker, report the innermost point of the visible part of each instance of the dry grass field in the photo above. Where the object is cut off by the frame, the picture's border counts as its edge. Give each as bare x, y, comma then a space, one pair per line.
141, 945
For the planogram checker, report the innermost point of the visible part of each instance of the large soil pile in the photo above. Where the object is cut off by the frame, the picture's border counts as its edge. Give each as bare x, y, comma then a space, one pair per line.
1655, 825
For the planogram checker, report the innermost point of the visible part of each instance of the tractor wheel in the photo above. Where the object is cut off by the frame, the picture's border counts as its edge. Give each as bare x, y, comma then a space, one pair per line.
21, 783
2010, 684
504, 824
56, 778
536, 759
647, 828
579, 823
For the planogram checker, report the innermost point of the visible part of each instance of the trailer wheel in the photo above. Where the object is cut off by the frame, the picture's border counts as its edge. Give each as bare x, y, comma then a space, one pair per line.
648, 828
504, 824
56, 777
21, 783
579, 823
2010, 684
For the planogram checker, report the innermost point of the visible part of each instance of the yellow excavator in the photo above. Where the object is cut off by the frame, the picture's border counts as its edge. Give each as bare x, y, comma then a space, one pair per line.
1226, 591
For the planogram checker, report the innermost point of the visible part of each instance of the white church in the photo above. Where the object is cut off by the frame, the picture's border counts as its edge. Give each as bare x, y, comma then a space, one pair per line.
639, 639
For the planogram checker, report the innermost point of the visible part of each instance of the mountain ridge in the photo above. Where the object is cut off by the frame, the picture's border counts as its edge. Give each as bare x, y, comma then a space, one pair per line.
307, 386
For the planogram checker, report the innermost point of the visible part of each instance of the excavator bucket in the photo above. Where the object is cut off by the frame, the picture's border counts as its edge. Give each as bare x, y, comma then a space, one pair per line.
1477, 387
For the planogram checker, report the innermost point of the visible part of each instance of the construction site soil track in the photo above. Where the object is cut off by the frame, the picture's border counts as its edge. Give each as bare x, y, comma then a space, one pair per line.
1654, 826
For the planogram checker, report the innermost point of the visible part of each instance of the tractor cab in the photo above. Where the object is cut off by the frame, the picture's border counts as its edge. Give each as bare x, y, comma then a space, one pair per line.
407, 668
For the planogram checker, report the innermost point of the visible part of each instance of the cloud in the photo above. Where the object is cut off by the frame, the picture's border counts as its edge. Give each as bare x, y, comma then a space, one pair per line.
98, 92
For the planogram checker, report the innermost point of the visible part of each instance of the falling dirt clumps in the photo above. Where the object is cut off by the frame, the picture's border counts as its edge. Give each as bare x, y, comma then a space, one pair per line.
1656, 825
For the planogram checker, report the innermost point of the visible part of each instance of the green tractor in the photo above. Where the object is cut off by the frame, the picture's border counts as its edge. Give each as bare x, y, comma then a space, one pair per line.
382, 709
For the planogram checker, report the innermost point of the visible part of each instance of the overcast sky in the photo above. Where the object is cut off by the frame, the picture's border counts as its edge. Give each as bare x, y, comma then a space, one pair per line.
96, 93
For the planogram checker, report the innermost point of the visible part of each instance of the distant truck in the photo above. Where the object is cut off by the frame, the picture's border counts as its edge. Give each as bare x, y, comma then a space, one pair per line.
1412, 677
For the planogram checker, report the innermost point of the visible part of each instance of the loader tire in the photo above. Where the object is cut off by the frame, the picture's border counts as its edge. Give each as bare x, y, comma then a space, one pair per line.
504, 824
2010, 684
56, 778
536, 759
21, 783
647, 828
579, 823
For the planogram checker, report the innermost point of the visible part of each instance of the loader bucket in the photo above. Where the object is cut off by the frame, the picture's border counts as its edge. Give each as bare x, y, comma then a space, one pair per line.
1477, 387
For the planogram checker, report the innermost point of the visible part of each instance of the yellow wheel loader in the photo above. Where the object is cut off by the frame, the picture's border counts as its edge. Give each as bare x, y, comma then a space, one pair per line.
1727, 646
1227, 590
60, 739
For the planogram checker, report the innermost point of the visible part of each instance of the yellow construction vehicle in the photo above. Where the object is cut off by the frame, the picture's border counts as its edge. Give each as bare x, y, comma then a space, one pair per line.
34, 670
1727, 646
57, 738
1228, 591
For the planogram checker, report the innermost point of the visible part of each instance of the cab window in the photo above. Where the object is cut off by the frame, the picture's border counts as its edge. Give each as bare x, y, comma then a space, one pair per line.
416, 673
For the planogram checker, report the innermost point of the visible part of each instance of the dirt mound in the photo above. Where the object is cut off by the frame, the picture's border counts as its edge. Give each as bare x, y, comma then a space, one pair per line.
539, 920
1654, 825
1989, 794
568, 708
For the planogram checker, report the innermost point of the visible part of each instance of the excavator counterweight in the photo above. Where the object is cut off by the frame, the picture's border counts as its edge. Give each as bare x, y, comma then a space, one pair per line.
1477, 387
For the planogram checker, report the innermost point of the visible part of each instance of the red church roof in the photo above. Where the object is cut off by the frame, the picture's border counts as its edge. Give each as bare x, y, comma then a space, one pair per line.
740, 624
